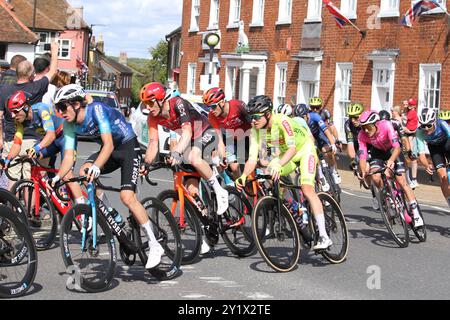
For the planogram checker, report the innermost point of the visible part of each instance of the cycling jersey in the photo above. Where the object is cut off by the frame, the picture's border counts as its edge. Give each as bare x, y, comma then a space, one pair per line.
326, 116
384, 139
181, 112
316, 124
351, 133
45, 119
302, 123
99, 119
398, 128
438, 137
234, 120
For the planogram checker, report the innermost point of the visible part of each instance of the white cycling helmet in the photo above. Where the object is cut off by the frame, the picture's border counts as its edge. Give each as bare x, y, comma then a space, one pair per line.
369, 117
71, 92
427, 116
285, 109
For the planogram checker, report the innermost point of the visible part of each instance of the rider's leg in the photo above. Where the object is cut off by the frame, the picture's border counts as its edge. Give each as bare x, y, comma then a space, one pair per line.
443, 178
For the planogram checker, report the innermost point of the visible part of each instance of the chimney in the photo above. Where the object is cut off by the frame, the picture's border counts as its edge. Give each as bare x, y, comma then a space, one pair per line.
123, 59
100, 44
79, 11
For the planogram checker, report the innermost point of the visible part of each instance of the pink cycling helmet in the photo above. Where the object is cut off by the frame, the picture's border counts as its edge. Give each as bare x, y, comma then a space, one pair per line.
369, 117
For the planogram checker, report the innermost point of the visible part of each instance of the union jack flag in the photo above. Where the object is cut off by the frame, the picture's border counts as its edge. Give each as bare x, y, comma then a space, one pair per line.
419, 8
341, 20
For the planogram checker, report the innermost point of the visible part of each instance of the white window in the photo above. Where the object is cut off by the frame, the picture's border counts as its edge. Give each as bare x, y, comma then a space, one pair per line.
442, 3
348, 8
430, 86
64, 49
44, 38
342, 96
235, 14
192, 71
214, 15
285, 12
308, 81
195, 16
383, 85
258, 13
280, 83
389, 8
314, 10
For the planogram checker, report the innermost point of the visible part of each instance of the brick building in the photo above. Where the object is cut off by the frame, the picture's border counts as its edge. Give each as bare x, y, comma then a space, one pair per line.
297, 51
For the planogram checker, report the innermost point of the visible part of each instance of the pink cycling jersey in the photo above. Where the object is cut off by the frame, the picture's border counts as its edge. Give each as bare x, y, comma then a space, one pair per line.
384, 139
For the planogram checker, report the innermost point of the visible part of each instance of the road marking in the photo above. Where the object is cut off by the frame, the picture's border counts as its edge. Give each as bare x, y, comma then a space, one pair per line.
161, 180
351, 194
258, 295
211, 278
195, 296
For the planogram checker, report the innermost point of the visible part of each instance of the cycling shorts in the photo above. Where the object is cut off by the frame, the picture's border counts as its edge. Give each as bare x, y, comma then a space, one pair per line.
440, 154
380, 157
322, 141
207, 143
127, 157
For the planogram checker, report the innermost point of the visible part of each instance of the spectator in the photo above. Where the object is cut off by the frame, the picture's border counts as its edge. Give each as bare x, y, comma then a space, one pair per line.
10, 76
397, 113
412, 123
60, 80
35, 91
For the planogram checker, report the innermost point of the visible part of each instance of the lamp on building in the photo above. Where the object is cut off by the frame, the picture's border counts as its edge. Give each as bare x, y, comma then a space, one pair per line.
211, 40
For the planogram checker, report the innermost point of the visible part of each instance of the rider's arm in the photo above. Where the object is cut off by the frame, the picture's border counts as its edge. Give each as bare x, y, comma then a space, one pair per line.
49, 127
221, 143
393, 138
1, 129
351, 150
288, 135
153, 141
54, 61
252, 161
106, 151
69, 149
445, 127
17, 143
186, 135
362, 153
350, 144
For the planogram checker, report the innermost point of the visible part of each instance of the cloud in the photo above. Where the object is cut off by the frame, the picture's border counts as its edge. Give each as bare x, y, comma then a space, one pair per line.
132, 26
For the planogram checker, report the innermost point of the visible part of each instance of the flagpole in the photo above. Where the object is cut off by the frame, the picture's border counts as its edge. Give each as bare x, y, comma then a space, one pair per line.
363, 33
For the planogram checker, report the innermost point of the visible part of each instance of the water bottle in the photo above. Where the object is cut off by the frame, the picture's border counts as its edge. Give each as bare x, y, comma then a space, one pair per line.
117, 217
304, 214
200, 206
295, 209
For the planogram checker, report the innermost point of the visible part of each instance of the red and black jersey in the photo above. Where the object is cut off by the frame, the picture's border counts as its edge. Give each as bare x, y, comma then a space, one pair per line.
235, 120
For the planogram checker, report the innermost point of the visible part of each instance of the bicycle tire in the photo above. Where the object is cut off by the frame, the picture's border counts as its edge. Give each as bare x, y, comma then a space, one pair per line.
333, 211
191, 234
392, 217
239, 211
334, 191
9, 200
71, 235
259, 234
420, 232
169, 238
11, 223
44, 238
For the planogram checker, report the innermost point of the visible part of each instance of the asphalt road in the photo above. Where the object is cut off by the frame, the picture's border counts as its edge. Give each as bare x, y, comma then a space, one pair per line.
376, 268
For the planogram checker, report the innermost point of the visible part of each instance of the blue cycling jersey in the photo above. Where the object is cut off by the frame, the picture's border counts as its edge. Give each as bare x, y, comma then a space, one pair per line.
438, 137
45, 119
317, 125
99, 119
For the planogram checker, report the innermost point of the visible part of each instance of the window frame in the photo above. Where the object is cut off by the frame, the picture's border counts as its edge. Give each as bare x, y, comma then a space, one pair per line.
232, 22
340, 103
345, 8
280, 87
284, 12
191, 79
378, 68
60, 50
258, 7
314, 16
388, 11
425, 70
214, 12
195, 16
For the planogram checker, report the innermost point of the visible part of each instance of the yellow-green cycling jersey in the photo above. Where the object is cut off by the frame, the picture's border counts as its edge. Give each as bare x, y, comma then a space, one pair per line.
284, 134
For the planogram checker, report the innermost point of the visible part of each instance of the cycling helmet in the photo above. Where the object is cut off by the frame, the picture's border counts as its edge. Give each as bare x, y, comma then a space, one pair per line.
384, 115
285, 109
444, 115
17, 100
172, 93
315, 102
259, 104
427, 116
301, 110
69, 93
213, 96
368, 117
152, 91
355, 109
412, 102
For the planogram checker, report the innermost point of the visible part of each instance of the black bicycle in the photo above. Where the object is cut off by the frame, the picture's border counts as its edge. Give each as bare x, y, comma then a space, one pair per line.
91, 252
277, 232
18, 255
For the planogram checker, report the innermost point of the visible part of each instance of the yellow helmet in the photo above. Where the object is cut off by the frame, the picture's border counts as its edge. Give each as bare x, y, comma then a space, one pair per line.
444, 115
355, 109
315, 102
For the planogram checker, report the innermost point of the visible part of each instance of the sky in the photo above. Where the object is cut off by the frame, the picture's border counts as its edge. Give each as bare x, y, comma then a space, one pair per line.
132, 26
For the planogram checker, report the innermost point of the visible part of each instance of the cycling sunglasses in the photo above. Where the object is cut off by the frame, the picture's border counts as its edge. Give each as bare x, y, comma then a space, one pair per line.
16, 111
427, 126
214, 106
62, 107
256, 116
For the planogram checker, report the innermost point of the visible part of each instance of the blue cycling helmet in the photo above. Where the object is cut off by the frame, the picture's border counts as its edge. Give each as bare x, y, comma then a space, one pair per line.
301, 110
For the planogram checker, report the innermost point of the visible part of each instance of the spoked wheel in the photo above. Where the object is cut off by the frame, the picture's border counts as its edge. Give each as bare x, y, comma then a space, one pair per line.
392, 213
420, 232
276, 235
91, 267
18, 256
166, 232
236, 224
336, 228
189, 227
43, 224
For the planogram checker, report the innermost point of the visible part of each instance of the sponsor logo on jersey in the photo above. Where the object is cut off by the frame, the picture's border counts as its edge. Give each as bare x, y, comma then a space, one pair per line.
45, 116
311, 164
288, 128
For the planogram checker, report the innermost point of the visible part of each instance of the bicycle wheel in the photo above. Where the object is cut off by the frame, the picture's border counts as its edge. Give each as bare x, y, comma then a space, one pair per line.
18, 256
93, 268
44, 224
190, 230
392, 213
276, 235
420, 232
9, 200
336, 229
236, 224
334, 188
165, 228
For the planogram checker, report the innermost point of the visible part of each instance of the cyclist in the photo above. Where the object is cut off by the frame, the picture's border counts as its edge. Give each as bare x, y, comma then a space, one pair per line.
435, 133
385, 150
297, 150
352, 129
412, 123
321, 134
317, 107
445, 115
45, 123
285, 109
230, 117
120, 149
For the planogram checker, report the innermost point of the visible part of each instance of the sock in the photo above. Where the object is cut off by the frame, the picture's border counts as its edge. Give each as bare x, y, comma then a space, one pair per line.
149, 232
213, 183
319, 172
372, 189
413, 206
320, 219
80, 201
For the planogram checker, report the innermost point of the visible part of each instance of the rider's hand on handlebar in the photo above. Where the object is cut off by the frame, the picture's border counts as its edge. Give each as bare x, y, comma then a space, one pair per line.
390, 164
175, 159
333, 148
240, 182
93, 172
4, 163
275, 170
430, 169
32, 153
